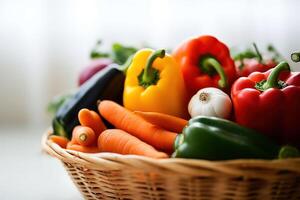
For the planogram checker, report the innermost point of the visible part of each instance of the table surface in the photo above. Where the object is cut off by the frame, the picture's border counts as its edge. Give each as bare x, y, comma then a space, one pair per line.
28, 173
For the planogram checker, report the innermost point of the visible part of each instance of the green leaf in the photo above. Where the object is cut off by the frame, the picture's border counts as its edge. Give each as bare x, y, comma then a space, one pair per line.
246, 54
96, 53
276, 56
57, 102
121, 53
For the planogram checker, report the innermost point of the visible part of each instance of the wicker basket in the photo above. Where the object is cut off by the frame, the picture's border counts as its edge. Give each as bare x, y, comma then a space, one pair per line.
113, 176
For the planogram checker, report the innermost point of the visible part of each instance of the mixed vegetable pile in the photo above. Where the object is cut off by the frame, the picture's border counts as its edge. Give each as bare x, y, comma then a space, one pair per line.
198, 102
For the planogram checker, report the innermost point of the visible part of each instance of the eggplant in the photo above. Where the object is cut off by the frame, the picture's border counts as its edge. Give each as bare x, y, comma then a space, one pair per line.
107, 84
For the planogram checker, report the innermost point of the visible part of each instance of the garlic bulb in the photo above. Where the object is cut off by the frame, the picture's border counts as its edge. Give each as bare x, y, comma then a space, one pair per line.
210, 102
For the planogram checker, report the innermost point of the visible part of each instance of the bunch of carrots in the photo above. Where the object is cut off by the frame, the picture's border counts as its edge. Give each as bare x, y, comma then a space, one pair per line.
136, 133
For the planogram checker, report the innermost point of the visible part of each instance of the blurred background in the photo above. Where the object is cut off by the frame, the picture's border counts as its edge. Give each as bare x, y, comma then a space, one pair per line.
44, 44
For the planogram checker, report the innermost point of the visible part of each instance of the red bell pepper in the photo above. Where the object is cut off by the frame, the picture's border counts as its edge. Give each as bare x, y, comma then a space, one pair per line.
270, 103
205, 62
254, 63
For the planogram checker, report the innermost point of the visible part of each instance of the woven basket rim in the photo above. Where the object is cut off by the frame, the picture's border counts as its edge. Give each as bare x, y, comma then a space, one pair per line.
253, 168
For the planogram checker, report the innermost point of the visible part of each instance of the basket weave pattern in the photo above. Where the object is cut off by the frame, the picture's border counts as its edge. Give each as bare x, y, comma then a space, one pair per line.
113, 176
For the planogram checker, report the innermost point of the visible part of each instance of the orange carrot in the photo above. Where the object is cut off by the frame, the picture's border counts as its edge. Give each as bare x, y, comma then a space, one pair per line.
118, 141
168, 122
126, 120
73, 141
84, 135
77, 147
91, 119
60, 140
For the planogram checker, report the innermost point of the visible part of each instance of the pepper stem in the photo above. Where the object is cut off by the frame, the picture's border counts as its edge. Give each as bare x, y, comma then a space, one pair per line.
149, 74
288, 152
295, 56
258, 53
272, 81
208, 64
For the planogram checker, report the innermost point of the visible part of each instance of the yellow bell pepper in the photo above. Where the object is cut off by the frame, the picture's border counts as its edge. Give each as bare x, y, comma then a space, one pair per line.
154, 83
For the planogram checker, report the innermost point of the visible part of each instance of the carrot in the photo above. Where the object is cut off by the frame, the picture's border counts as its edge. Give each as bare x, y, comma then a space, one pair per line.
91, 119
73, 141
118, 141
77, 147
60, 140
168, 122
84, 135
126, 120
74, 144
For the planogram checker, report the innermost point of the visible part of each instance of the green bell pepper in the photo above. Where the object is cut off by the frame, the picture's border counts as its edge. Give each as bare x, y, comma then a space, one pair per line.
213, 138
